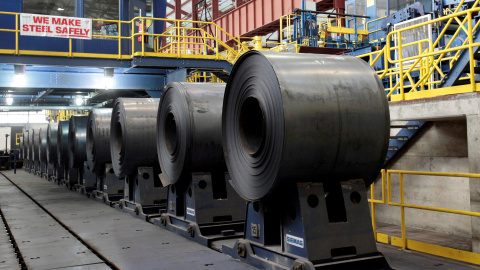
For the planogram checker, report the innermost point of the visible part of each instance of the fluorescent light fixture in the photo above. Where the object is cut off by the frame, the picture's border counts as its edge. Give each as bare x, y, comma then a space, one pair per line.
60, 9
19, 80
108, 78
9, 100
108, 82
79, 101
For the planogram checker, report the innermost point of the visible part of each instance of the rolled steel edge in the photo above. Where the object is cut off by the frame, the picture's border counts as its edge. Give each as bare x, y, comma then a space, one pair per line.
133, 135
98, 139
189, 130
77, 140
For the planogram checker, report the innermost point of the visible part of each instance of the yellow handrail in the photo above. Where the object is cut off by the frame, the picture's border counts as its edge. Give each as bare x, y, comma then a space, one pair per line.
404, 242
183, 41
427, 61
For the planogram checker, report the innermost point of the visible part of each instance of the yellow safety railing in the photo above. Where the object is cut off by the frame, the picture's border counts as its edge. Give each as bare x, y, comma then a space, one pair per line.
403, 241
326, 25
426, 64
256, 43
57, 115
204, 77
184, 42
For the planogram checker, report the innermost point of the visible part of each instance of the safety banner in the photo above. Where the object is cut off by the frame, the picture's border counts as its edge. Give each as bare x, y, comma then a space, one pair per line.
55, 26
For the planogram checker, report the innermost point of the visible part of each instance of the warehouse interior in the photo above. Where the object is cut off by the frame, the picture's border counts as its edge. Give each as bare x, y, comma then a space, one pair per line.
239, 134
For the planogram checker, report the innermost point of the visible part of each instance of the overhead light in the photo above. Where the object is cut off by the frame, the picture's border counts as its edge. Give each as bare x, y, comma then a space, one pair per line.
108, 78
60, 9
9, 100
19, 79
79, 101
19, 69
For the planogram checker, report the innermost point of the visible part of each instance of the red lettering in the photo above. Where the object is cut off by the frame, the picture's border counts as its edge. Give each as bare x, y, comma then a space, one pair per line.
56, 21
38, 19
65, 30
86, 31
32, 27
25, 28
58, 30
71, 22
38, 28
64, 22
42, 20
77, 23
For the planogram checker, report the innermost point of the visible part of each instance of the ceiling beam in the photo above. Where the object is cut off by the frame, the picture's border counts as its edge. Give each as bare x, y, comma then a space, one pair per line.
81, 81
42, 95
40, 108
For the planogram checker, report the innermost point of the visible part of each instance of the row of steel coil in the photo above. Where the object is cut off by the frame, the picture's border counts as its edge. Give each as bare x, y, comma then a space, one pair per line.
281, 118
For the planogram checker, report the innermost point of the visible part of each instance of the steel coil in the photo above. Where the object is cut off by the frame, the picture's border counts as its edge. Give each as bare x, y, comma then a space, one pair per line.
189, 130
301, 118
133, 135
62, 142
98, 139
27, 145
35, 145
21, 154
52, 136
42, 148
77, 140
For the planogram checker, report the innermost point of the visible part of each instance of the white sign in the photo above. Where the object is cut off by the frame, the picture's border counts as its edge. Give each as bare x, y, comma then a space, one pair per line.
295, 241
55, 26
190, 211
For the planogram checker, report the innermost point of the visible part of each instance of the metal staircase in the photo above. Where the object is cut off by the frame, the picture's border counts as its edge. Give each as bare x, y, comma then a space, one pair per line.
401, 139
462, 65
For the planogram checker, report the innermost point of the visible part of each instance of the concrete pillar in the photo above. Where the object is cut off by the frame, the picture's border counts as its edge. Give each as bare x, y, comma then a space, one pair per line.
473, 137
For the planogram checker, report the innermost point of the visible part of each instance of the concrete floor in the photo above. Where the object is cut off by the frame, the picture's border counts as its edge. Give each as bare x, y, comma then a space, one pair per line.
57, 228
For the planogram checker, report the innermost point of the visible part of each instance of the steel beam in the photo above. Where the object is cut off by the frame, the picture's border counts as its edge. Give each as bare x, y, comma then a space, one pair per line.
85, 81
40, 108
43, 94
174, 63
63, 61
256, 17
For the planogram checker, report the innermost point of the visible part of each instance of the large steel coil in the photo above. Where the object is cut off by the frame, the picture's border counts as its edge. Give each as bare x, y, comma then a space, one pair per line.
26, 141
189, 130
52, 137
302, 118
98, 139
77, 140
42, 149
32, 145
133, 135
62, 142
35, 145
22, 147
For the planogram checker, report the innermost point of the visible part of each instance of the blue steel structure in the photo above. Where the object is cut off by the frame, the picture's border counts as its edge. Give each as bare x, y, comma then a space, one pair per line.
68, 77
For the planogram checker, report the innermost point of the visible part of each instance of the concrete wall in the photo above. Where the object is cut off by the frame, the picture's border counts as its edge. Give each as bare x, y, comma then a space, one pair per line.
440, 147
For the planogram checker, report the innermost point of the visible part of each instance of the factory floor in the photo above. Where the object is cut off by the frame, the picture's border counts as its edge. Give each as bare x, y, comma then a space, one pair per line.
54, 228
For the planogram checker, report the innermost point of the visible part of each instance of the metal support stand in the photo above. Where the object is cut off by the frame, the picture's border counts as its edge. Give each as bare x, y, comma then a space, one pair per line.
35, 167
144, 196
87, 181
50, 171
43, 169
58, 174
109, 187
310, 226
71, 178
204, 208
